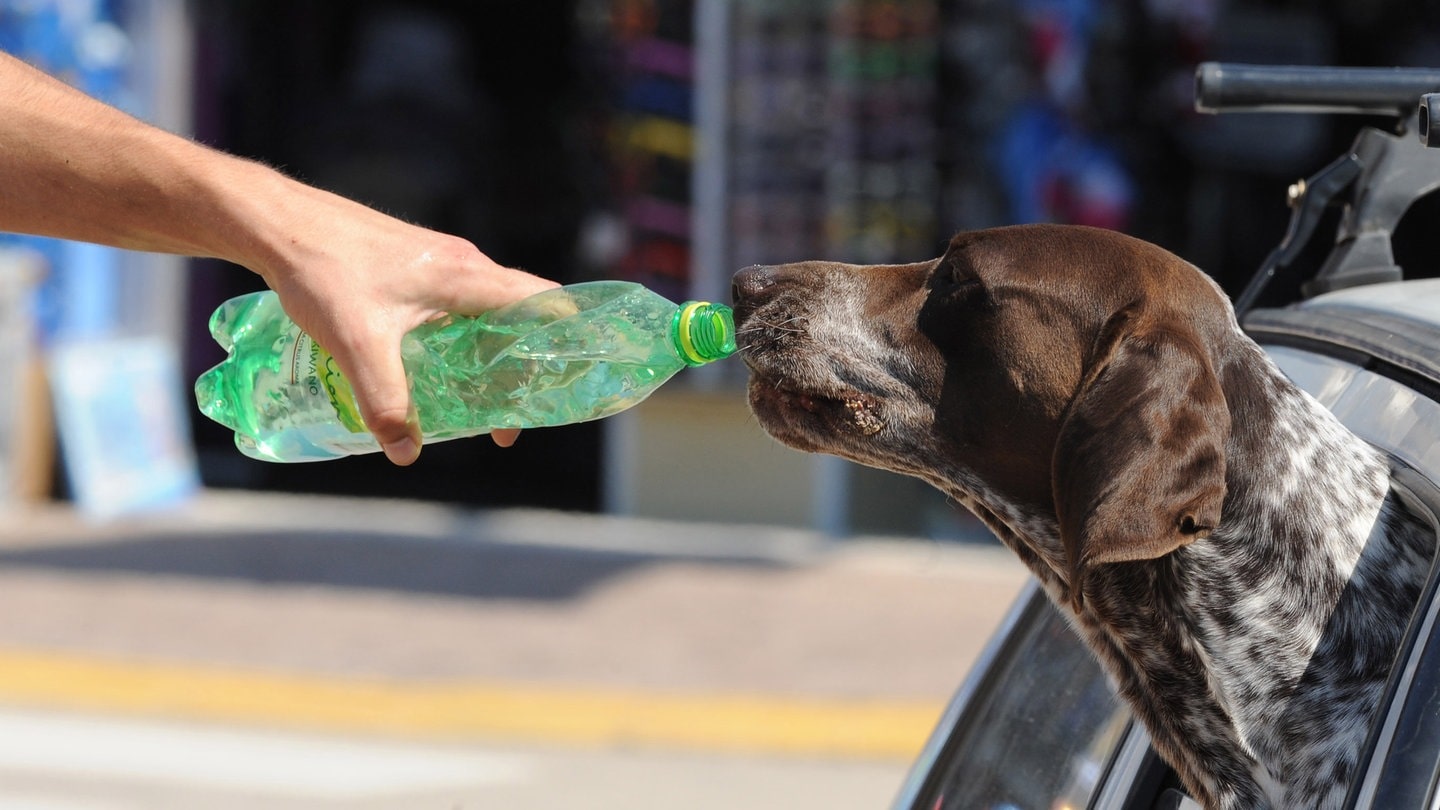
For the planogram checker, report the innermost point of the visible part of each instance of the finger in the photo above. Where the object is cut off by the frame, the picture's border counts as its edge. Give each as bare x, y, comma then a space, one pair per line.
492, 285
505, 437
382, 394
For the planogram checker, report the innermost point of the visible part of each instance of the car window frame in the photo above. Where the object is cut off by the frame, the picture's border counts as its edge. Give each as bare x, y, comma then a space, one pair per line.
1032, 616
1387, 781
958, 716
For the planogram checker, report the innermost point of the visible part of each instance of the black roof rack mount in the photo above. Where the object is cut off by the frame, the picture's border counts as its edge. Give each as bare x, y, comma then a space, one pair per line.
1383, 173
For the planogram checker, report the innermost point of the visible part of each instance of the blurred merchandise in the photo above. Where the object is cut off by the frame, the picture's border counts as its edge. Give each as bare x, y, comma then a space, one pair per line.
652, 129
1054, 172
832, 131
566, 355
863, 130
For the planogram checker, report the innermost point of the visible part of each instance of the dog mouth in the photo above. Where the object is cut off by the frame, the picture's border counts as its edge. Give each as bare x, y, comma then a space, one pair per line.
798, 394
783, 409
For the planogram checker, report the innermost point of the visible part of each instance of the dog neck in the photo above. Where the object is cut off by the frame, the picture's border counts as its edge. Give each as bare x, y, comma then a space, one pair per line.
1309, 537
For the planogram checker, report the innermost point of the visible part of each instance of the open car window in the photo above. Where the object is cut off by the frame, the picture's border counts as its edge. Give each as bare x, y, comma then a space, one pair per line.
1040, 729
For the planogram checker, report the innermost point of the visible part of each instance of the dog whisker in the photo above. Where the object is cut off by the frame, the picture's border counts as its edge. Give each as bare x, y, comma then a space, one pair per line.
782, 326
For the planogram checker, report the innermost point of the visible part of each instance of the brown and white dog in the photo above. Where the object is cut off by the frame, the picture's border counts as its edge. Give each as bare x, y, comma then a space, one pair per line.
1231, 553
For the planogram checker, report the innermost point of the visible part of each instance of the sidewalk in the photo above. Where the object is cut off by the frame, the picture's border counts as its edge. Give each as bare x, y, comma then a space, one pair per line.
424, 621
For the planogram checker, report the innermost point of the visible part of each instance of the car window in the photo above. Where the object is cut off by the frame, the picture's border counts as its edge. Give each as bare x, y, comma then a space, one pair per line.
1044, 726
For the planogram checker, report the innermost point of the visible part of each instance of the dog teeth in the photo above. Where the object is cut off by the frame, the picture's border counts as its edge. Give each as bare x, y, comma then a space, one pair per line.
864, 419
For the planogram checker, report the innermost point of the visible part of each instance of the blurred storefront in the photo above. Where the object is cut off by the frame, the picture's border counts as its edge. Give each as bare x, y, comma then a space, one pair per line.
673, 141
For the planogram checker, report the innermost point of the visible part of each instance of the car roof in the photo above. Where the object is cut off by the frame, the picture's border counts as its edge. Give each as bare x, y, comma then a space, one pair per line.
1417, 300
1393, 328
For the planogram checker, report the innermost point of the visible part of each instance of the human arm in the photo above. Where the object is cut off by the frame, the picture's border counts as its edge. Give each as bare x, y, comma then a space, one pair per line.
355, 279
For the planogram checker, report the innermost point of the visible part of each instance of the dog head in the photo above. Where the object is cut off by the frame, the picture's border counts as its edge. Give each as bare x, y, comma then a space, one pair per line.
1062, 373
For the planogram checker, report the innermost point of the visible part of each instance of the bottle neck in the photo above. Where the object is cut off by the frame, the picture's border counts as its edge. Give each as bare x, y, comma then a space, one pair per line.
703, 332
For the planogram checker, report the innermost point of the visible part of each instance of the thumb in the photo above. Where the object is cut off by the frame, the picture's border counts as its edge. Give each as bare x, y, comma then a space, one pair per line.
382, 393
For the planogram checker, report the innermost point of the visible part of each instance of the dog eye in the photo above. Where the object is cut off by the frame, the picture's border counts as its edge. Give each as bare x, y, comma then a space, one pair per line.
954, 275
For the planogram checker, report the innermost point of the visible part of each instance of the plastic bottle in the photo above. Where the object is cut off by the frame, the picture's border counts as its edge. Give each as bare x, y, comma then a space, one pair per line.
566, 355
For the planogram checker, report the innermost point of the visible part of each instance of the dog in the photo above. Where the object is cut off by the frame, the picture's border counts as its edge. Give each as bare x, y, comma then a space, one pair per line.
1230, 552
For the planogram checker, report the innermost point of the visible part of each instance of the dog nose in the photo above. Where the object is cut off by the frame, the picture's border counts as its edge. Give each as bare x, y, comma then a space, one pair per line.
750, 282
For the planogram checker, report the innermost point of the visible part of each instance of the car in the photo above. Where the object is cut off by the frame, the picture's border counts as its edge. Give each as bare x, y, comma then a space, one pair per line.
1037, 724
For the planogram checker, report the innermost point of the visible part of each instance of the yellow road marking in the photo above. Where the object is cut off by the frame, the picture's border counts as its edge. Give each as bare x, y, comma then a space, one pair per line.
472, 711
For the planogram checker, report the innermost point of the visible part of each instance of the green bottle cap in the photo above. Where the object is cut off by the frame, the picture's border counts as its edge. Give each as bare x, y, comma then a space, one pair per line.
703, 332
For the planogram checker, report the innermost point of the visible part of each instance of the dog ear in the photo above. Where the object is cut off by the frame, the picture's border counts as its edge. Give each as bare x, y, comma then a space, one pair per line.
1139, 465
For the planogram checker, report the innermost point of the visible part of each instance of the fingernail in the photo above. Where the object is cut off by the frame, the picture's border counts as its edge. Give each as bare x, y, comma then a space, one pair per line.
402, 451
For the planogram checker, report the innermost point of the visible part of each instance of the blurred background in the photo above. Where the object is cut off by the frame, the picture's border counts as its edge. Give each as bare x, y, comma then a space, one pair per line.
663, 141
668, 142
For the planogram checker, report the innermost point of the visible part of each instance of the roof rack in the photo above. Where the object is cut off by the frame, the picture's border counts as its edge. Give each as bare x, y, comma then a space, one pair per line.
1376, 181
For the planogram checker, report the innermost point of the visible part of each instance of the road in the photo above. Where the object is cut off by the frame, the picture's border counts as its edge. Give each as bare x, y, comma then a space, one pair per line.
284, 652
62, 761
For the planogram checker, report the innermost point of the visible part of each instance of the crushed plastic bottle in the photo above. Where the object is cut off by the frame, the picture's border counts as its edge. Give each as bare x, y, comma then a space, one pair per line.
571, 354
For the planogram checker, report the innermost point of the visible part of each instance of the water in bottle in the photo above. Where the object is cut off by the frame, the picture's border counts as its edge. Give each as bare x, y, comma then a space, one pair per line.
570, 354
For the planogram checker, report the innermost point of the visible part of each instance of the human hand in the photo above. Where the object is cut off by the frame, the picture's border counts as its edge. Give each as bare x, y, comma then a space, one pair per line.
357, 280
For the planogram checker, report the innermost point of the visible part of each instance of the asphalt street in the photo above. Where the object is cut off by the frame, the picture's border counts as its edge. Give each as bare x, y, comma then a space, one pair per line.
282, 651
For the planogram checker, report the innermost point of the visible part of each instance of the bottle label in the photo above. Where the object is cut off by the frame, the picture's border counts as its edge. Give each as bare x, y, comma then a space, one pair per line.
315, 369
